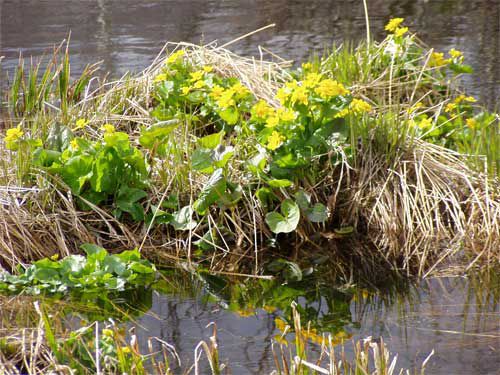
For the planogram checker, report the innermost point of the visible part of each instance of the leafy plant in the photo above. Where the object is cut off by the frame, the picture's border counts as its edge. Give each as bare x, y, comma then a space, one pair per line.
98, 271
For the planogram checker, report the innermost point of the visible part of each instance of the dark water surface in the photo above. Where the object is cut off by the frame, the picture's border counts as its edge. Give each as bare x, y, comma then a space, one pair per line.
459, 320
127, 34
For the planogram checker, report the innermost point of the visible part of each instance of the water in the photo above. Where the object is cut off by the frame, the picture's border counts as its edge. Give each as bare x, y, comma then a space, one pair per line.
127, 34
457, 317
454, 316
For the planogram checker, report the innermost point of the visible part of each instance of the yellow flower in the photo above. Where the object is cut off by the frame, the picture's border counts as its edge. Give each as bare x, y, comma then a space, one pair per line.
13, 134
299, 95
74, 144
400, 31
216, 91
80, 124
272, 121
292, 85
199, 84
185, 90
437, 59
160, 78
245, 312
107, 332
282, 95
307, 66
456, 54
275, 140
414, 107
471, 123
196, 76
312, 80
175, 56
342, 113
393, 24
425, 123
208, 68
239, 89
108, 128
360, 106
226, 99
462, 98
450, 107
286, 114
328, 88
262, 109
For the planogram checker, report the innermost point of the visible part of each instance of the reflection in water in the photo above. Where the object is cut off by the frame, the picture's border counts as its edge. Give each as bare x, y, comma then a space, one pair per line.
457, 317
126, 34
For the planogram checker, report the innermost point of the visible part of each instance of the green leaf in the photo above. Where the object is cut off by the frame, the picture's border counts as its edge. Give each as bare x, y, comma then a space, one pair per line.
318, 213
127, 201
183, 219
230, 115
157, 133
213, 191
208, 241
45, 158
279, 183
59, 137
287, 221
211, 141
202, 160
303, 199
221, 155
344, 230
461, 68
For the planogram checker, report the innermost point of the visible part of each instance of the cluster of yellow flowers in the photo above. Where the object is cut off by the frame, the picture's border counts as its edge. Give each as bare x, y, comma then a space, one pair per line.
313, 82
437, 58
394, 26
12, 137
357, 107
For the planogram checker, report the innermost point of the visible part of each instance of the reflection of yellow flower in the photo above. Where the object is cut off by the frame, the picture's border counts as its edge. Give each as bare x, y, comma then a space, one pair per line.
80, 124
313, 335
393, 24
281, 340
450, 107
262, 109
471, 123
299, 95
108, 128
269, 309
275, 140
175, 56
280, 324
400, 31
437, 59
245, 312
160, 78
328, 88
360, 106
126, 349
